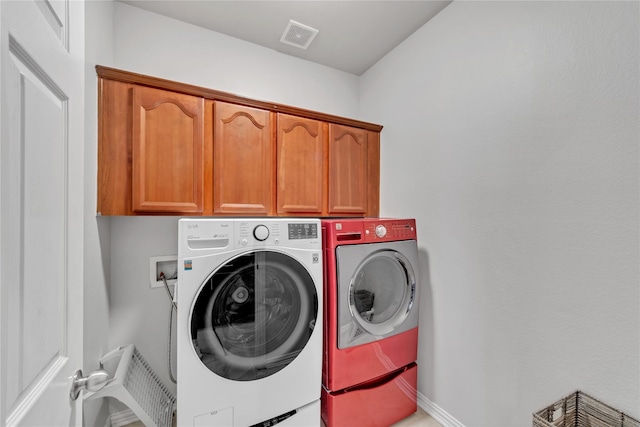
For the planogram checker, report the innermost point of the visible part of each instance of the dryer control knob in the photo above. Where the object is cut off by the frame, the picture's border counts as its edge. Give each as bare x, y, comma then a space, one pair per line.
261, 232
381, 231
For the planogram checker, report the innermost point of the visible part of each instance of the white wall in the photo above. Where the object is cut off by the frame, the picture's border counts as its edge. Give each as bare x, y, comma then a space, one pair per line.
98, 50
151, 44
140, 314
520, 123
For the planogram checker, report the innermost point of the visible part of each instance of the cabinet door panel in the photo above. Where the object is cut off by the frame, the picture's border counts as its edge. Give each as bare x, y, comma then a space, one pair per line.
300, 165
347, 170
373, 174
243, 158
114, 148
167, 151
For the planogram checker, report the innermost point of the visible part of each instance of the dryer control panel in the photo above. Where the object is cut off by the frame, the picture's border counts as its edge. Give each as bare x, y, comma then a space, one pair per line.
353, 231
389, 230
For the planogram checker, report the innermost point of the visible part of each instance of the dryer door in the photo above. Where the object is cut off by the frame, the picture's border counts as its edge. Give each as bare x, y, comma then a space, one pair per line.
254, 315
377, 291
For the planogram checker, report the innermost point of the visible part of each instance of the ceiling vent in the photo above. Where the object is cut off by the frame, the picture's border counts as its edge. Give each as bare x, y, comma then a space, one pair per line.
299, 35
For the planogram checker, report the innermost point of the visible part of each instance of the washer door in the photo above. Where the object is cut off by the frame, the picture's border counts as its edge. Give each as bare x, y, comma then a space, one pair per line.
377, 286
254, 315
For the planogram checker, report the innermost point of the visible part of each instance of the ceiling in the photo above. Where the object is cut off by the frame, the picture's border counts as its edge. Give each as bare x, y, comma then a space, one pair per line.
353, 34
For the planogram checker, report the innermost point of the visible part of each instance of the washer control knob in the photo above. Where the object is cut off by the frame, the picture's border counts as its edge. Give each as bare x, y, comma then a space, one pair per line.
261, 232
381, 231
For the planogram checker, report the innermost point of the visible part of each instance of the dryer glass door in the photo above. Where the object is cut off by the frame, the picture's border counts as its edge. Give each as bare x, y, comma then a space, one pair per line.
254, 315
380, 286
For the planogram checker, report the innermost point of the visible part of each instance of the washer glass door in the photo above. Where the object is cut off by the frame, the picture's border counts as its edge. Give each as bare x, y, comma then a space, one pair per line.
254, 315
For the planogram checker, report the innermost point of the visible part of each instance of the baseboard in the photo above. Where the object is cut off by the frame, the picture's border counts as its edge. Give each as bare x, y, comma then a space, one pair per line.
437, 413
123, 418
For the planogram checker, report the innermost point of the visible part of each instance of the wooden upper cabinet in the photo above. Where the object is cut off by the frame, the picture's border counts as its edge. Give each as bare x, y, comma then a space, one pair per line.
243, 159
167, 145
170, 148
348, 170
301, 166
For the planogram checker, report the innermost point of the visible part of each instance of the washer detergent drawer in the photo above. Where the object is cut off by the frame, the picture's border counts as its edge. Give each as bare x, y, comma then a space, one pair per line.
377, 404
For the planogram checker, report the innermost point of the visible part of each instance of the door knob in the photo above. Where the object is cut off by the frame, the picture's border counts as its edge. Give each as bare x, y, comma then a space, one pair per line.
95, 381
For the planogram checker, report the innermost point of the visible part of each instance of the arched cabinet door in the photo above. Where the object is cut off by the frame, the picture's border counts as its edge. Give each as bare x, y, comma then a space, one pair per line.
167, 152
242, 160
300, 165
348, 170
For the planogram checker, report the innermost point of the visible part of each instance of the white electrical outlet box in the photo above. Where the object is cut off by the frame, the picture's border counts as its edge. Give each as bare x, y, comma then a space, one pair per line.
167, 264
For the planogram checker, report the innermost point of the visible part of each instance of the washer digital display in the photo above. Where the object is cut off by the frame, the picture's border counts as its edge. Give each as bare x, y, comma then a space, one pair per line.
303, 231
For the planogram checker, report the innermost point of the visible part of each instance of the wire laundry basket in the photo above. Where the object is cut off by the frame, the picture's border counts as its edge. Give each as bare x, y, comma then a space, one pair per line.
137, 386
581, 410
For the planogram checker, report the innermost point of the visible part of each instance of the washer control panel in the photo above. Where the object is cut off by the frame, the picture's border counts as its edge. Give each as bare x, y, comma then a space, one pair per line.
196, 236
250, 233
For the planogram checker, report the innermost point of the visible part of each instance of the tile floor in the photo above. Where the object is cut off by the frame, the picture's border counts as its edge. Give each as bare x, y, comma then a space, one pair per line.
419, 419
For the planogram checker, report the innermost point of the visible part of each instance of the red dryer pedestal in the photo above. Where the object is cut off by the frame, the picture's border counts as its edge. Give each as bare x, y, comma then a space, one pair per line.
376, 404
371, 321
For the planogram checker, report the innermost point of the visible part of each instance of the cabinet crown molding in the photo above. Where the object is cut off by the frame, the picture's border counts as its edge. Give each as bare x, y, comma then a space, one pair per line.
216, 95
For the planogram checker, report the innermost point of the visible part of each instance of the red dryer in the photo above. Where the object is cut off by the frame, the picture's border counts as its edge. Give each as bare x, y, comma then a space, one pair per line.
369, 373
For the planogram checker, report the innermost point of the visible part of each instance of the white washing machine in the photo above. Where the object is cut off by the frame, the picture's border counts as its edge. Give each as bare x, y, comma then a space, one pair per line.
249, 337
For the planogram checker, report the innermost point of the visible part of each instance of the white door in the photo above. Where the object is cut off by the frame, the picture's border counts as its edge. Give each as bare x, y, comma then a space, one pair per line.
41, 218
